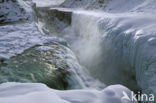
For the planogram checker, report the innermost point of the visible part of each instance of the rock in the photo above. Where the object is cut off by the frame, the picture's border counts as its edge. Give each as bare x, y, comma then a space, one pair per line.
34, 65
53, 20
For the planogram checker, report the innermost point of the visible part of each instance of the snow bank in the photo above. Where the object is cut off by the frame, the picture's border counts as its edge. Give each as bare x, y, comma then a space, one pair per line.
40, 93
137, 36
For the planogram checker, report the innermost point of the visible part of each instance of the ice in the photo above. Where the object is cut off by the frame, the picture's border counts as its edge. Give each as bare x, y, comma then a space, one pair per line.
40, 93
45, 3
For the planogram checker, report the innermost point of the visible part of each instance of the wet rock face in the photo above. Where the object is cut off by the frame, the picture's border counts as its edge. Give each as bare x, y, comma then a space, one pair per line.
13, 10
53, 20
44, 64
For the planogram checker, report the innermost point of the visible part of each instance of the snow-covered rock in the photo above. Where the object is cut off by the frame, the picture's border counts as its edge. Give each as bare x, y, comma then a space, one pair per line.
112, 5
45, 64
16, 38
84, 4
40, 93
15, 10
132, 40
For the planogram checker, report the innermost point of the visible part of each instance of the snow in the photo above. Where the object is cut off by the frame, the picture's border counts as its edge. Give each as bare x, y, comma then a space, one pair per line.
45, 3
133, 41
113, 6
40, 93
16, 38
12, 11
43, 48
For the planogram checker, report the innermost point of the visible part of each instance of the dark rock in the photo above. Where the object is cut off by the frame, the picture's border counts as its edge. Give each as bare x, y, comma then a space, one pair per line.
33, 66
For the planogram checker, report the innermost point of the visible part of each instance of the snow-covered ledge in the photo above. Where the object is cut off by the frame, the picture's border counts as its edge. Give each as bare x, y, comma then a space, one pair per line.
40, 93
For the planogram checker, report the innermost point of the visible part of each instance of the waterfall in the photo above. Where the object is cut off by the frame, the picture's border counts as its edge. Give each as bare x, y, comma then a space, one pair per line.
87, 45
90, 37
